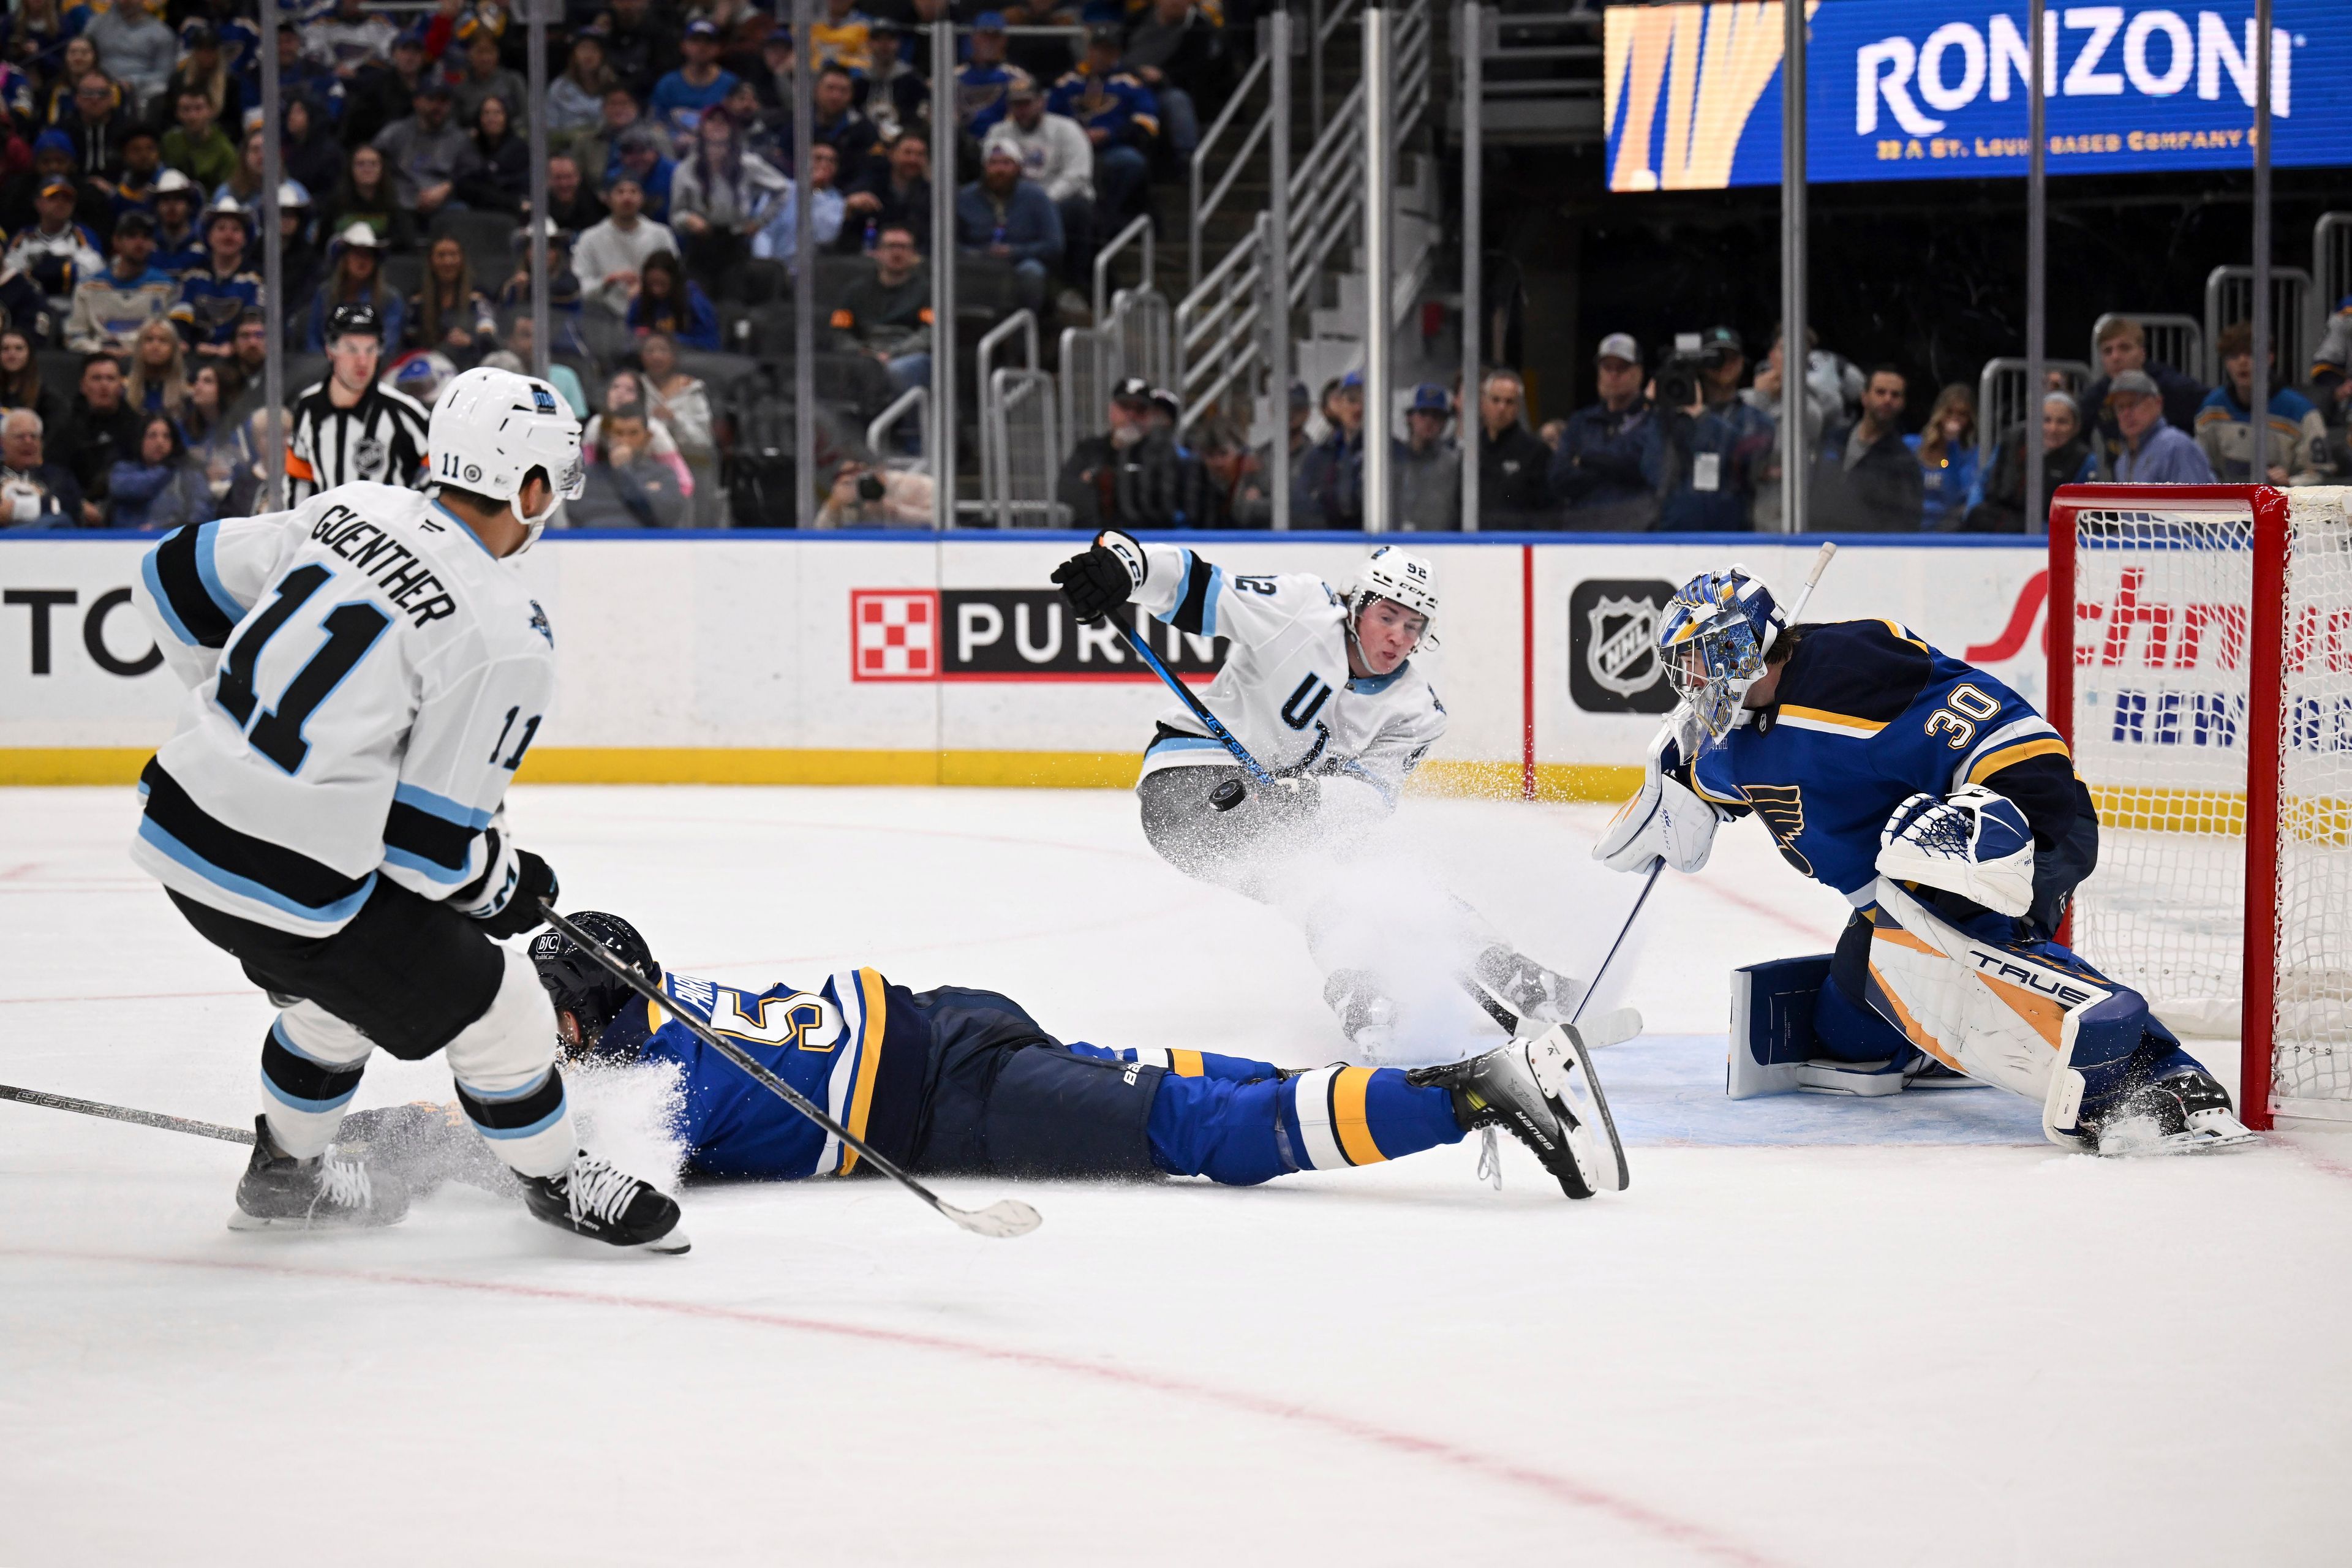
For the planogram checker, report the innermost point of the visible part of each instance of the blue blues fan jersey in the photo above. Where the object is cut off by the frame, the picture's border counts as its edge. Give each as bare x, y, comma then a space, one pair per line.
1865, 715
854, 1046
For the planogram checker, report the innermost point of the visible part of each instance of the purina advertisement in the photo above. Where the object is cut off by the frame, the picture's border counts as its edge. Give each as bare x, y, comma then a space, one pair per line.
1917, 89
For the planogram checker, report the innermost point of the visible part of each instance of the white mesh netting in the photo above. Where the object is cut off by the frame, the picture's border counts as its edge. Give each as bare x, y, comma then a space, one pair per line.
2162, 658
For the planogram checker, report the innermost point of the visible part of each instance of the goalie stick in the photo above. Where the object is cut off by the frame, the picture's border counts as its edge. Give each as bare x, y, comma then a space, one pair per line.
1005, 1217
125, 1113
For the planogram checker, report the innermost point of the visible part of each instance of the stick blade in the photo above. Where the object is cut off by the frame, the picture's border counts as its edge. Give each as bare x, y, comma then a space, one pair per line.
1002, 1220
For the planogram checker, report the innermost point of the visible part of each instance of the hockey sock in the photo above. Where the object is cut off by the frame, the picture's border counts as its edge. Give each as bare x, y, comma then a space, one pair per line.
529, 1127
303, 1094
1241, 1133
1184, 1064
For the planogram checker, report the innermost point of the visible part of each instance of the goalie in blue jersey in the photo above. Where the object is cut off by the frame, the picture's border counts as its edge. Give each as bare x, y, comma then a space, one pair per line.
1946, 811
963, 1081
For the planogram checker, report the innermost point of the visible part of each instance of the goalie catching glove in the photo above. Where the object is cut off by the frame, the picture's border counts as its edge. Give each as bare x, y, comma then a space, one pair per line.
1973, 842
1665, 821
1101, 578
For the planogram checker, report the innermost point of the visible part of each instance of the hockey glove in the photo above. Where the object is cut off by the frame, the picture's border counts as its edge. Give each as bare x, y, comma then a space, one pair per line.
1663, 821
534, 880
1974, 843
1101, 578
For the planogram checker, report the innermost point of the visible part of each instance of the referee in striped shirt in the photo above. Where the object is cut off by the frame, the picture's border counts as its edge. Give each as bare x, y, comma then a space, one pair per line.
350, 426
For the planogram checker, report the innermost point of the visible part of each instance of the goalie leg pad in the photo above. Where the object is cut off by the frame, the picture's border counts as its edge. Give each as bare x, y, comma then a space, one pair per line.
1794, 1031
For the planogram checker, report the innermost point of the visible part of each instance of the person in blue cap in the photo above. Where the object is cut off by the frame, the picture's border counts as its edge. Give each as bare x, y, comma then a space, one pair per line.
1427, 467
680, 98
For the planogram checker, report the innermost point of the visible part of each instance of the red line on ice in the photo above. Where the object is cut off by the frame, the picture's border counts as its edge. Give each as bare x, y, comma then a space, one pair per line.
1556, 1487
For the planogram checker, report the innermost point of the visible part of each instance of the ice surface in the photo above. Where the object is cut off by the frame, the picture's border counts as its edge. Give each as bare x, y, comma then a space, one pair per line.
1813, 1331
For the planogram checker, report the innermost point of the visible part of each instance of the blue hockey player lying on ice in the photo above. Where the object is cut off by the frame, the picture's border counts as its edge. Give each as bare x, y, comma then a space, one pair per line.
1948, 811
957, 1081
964, 1081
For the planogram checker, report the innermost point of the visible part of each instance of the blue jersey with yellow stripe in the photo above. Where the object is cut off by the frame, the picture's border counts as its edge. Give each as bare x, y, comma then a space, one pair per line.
1865, 715
852, 1045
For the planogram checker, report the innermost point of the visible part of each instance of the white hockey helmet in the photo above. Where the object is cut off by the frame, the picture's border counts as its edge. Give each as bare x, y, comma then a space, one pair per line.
491, 427
1390, 573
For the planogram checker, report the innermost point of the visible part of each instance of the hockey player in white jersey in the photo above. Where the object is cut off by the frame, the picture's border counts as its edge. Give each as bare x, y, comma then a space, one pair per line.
365, 673
1319, 686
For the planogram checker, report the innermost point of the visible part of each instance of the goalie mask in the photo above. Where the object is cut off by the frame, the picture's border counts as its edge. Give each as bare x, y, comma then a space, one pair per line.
1399, 576
579, 985
491, 427
1713, 640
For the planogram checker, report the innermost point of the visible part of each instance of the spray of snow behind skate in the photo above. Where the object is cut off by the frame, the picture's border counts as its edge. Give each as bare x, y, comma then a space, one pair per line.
627, 1114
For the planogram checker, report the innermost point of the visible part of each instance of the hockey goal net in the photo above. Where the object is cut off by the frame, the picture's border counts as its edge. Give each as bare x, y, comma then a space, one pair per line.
2200, 668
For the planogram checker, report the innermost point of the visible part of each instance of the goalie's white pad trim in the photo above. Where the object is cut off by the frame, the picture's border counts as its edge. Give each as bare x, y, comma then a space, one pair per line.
1991, 1012
1959, 844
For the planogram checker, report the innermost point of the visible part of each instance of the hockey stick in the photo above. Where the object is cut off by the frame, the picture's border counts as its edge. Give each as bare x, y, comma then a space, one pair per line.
124, 1113
1005, 1217
1822, 559
1226, 797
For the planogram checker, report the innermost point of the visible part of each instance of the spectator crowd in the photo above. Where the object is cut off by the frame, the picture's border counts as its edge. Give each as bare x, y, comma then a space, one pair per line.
134, 327
131, 165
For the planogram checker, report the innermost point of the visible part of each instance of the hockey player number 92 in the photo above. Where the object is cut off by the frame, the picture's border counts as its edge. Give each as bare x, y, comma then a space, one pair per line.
1968, 700
352, 629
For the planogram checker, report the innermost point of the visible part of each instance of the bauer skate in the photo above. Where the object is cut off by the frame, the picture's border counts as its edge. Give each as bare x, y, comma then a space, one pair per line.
1526, 989
2180, 1113
1543, 1092
325, 1191
594, 1200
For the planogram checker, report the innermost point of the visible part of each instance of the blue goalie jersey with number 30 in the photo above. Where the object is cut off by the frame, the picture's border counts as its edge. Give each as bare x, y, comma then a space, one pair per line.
1865, 715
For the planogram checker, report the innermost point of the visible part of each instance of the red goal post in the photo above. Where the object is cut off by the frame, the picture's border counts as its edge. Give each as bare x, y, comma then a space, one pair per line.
2201, 669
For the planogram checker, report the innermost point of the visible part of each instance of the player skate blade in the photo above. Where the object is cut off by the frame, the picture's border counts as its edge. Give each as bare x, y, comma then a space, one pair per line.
2127, 1142
1002, 1219
1564, 1071
240, 1220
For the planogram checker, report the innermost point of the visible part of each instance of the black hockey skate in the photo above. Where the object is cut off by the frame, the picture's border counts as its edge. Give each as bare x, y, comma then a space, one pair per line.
1366, 1015
2180, 1113
325, 1191
1524, 987
594, 1200
1544, 1092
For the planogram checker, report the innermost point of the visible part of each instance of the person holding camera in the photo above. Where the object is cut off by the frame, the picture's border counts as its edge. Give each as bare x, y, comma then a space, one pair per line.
1705, 448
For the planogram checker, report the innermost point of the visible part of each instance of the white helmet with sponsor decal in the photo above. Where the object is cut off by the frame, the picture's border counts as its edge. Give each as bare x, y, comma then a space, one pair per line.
491, 427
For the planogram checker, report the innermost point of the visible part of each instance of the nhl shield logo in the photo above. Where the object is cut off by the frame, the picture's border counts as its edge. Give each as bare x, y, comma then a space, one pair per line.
1612, 652
1621, 653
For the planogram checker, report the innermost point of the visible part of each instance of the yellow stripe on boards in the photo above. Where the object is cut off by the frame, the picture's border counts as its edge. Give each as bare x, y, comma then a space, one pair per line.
1348, 1118
869, 1061
1184, 1064
67, 765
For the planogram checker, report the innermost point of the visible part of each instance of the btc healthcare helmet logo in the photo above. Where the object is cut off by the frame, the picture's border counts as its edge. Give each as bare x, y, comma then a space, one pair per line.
1612, 645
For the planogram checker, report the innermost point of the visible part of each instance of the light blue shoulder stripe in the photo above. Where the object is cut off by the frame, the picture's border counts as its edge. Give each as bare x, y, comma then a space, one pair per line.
208, 572
162, 601
442, 806
1209, 611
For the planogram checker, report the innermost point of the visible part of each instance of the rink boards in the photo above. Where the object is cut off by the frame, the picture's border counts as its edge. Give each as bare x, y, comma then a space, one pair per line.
891, 659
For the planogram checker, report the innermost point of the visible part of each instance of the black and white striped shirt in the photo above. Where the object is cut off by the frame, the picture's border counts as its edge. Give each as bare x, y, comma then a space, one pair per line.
379, 439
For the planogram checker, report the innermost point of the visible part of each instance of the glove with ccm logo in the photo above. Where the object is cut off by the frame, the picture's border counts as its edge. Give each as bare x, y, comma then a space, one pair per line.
1102, 578
1973, 842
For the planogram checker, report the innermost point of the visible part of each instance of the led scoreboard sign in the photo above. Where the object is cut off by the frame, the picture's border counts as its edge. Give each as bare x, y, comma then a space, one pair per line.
1912, 89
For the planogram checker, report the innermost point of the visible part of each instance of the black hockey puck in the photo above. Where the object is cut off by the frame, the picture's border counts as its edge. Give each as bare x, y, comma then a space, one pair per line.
1228, 794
